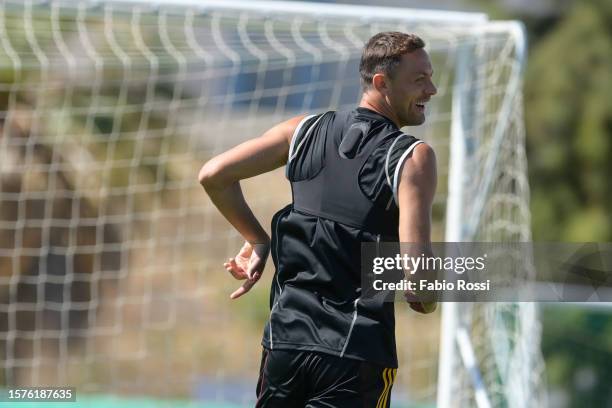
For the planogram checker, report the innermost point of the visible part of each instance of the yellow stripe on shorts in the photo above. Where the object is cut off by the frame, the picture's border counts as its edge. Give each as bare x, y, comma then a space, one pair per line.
388, 375
392, 380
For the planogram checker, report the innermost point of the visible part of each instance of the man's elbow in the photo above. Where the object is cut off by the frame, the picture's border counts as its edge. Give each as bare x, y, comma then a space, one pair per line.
211, 175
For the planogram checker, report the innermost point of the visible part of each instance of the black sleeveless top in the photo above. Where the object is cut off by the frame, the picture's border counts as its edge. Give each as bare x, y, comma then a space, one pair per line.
344, 171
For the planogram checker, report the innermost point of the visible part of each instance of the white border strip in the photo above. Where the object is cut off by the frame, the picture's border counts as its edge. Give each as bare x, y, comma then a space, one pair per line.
348, 336
389, 155
292, 155
295, 133
280, 288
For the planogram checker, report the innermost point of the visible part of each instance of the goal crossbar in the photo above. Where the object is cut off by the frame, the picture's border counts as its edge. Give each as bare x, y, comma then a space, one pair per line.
366, 13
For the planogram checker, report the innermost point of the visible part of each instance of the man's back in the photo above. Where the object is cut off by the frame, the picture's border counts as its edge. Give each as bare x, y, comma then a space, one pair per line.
338, 166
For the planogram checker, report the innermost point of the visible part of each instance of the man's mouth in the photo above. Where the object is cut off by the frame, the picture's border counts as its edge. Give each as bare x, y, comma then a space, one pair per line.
420, 105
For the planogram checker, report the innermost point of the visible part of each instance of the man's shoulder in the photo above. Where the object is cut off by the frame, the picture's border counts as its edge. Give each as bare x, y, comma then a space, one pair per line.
423, 158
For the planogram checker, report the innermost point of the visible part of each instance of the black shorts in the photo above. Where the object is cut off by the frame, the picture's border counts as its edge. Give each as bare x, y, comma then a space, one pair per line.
306, 379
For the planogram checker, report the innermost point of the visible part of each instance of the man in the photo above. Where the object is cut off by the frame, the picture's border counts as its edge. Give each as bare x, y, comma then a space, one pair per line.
355, 177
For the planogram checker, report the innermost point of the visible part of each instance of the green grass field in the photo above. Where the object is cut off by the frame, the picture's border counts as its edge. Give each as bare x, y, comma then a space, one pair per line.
116, 402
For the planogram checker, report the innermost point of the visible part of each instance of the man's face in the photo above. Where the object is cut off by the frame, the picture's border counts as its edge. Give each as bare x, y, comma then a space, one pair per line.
411, 87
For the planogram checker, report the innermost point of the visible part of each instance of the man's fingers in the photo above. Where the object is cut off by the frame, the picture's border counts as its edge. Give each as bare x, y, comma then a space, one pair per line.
249, 265
240, 291
254, 264
246, 286
233, 268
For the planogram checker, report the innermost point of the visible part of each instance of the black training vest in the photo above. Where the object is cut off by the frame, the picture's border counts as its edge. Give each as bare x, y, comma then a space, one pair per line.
343, 168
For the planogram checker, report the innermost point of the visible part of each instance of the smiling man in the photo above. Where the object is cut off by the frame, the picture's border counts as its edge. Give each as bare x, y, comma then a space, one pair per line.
355, 177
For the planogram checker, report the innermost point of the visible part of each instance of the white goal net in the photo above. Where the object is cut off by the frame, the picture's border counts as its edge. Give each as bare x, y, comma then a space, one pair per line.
111, 276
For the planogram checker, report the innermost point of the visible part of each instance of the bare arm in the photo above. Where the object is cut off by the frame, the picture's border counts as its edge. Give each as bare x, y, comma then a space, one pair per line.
416, 191
221, 177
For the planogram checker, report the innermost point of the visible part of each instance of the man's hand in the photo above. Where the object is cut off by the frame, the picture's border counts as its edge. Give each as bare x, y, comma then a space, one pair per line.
248, 264
423, 307
418, 305
221, 176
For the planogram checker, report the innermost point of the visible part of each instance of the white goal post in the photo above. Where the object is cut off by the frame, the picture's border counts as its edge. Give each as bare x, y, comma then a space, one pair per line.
111, 255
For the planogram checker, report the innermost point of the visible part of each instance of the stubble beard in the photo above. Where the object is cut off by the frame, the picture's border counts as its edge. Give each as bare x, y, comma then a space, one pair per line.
414, 120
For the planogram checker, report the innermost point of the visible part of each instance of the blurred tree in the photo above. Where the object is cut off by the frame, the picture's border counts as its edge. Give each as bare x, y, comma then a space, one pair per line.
568, 108
578, 350
569, 124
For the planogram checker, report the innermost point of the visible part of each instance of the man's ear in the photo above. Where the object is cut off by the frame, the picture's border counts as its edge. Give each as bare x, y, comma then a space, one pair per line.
380, 83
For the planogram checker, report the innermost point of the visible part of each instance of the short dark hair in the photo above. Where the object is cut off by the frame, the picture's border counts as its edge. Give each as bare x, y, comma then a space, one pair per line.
383, 53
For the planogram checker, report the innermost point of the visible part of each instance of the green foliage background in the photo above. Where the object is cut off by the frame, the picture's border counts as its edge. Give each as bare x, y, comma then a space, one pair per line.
568, 113
569, 123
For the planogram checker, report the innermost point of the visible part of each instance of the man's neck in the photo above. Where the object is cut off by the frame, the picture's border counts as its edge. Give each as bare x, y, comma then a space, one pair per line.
379, 106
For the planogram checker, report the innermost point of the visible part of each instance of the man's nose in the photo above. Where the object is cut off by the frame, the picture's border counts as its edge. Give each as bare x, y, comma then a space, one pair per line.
432, 90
